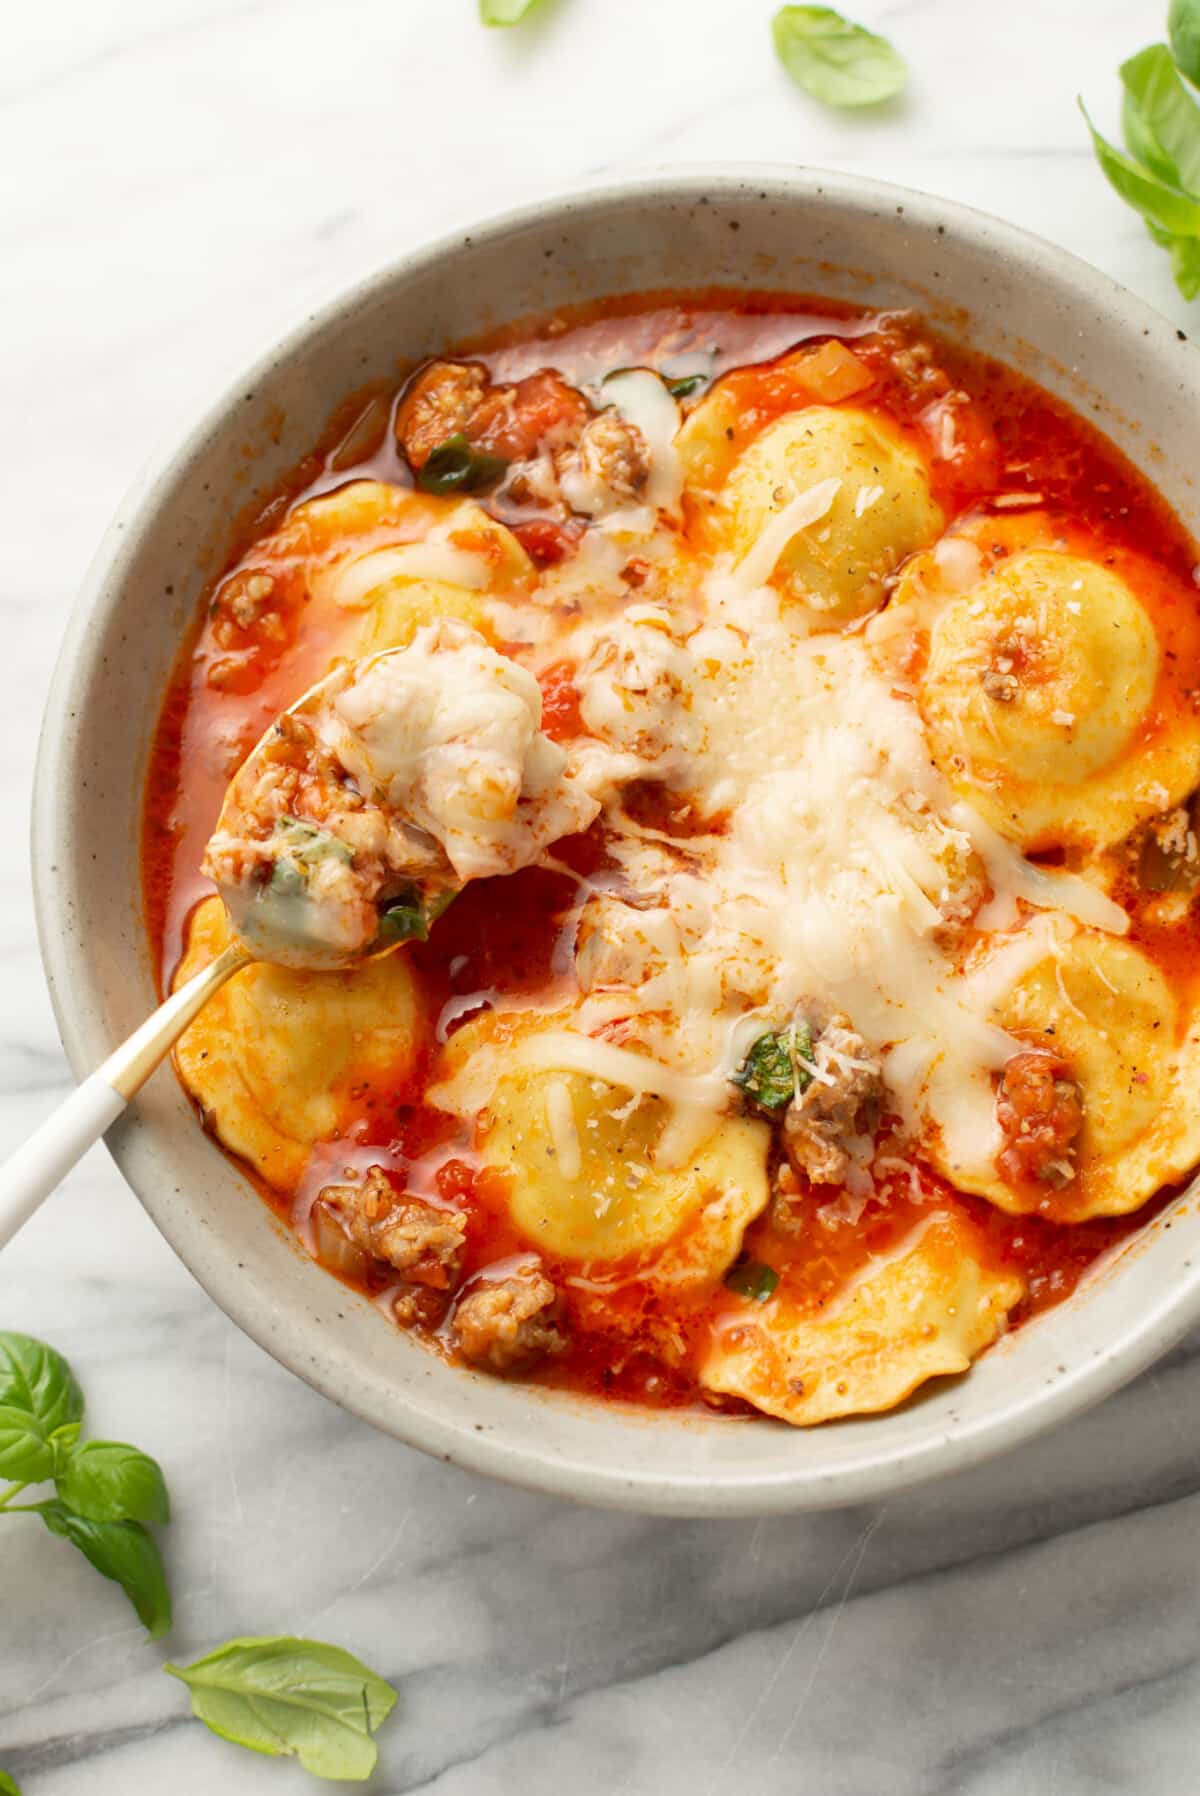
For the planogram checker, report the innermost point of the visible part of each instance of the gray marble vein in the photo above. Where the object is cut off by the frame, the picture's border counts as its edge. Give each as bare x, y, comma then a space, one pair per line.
182, 179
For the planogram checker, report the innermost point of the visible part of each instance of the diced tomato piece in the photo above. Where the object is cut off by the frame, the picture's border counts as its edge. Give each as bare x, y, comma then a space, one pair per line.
454, 1179
545, 401
514, 420
544, 541
561, 716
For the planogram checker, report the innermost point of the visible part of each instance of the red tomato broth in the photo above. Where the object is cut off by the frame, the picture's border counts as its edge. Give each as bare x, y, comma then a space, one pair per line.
1014, 436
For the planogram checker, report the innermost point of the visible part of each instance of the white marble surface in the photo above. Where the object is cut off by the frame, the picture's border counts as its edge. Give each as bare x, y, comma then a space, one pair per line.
181, 179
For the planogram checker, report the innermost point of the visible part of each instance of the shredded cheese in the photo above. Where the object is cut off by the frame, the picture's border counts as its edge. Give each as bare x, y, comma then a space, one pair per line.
800, 513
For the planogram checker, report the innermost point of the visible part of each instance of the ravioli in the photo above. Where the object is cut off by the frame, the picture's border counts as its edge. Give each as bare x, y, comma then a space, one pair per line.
352, 516
399, 608
1133, 1050
879, 508
1041, 698
924, 1312
716, 430
583, 1161
274, 1058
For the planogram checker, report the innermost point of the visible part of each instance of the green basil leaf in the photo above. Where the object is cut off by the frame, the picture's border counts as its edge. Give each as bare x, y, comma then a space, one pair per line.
286, 1696
682, 386
504, 12
122, 1551
777, 1068
752, 1279
409, 916
456, 466
1141, 142
1185, 259
402, 921
1183, 29
35, 1378
62, 1443
107, 1481
8, 1786
834, 60
1158, 202
1161, 119
306, 844
26, 1456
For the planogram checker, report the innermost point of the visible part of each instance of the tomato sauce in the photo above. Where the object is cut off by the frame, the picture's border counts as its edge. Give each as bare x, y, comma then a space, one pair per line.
985, 429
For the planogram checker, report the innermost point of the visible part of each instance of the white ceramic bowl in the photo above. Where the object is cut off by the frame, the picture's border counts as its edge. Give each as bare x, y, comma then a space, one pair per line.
1013, 295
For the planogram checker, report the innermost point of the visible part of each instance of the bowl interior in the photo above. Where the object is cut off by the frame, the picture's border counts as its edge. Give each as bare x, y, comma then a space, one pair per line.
1010, 295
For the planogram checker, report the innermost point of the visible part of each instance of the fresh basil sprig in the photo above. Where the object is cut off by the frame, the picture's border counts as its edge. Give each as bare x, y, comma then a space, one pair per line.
835, 60
1159, 176
106, 1492
8, 1786
286, 1696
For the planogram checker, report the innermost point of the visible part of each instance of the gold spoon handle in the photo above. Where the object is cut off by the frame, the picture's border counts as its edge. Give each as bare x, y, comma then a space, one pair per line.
37, 1167
129, 1066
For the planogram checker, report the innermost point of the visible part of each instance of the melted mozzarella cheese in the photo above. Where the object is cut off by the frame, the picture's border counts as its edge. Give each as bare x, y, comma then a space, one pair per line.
446, 730
843, 878
807, 508
644, 401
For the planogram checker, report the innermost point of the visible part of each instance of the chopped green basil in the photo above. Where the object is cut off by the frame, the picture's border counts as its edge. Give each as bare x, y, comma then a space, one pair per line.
286, 880
303, 846
290, 1697
410, 915
307, 844
778, 1067
455, 466
834, 60
750, 1278
682, 386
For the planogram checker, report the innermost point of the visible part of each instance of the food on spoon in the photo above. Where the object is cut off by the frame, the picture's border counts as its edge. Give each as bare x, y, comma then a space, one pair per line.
369, 805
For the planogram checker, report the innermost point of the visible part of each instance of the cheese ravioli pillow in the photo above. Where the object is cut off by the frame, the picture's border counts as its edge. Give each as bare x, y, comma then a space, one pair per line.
274, 1057
1133, 1051
1042, 703
922, 1312
871, 493
586, 1160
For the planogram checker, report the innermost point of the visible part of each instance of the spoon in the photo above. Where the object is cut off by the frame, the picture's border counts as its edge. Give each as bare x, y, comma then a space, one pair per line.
360, 815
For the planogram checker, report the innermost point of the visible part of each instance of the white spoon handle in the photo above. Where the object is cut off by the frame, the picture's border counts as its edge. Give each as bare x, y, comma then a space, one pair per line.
37, 1166
67, 1133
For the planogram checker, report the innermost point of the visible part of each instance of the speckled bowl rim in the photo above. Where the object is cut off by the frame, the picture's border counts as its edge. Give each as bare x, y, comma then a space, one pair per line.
877, 1470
